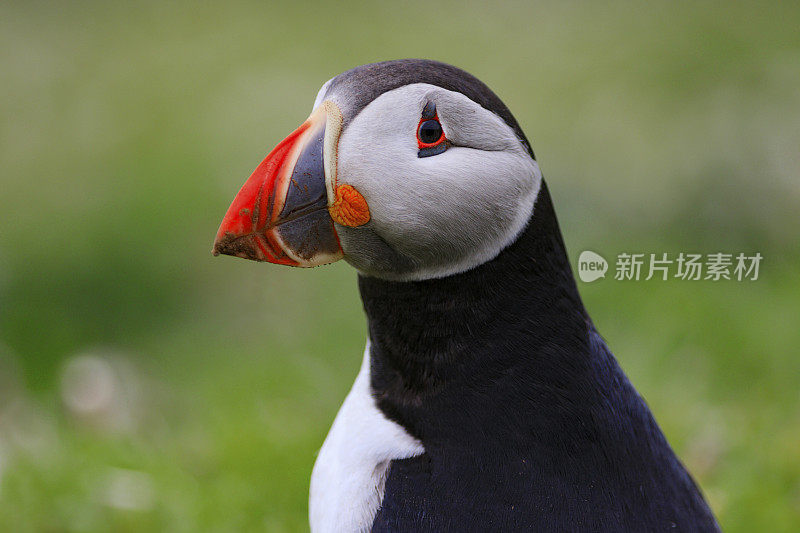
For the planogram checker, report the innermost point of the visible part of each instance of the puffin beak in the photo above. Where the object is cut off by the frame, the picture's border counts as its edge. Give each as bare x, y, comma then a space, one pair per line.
281, 212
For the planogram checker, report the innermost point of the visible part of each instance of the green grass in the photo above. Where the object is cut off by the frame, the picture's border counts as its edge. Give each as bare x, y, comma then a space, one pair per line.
125, 132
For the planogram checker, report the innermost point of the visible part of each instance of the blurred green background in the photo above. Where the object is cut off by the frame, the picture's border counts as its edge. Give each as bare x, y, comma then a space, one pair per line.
145, 385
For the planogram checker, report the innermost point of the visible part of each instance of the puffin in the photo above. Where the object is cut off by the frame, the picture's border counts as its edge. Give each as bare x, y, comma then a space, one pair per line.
486, 398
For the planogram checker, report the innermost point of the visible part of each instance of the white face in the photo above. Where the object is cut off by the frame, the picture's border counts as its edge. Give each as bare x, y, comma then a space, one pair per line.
437, 215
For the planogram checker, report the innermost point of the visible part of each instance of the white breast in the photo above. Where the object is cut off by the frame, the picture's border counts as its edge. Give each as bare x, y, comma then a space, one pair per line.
349, 475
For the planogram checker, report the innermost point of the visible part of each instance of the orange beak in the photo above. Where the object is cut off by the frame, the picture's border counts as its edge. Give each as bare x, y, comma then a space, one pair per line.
281, 213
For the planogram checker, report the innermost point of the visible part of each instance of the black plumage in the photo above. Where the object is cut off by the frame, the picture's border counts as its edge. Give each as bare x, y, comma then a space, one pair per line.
527, 419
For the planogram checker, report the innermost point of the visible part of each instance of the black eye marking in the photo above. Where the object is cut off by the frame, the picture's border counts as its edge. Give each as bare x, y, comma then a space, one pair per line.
430, 135
429, 111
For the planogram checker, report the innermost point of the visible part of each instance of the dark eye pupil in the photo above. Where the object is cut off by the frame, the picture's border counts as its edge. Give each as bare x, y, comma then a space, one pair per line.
430, 131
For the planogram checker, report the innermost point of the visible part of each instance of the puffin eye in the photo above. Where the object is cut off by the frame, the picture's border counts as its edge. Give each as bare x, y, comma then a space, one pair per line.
429, 132
430, 135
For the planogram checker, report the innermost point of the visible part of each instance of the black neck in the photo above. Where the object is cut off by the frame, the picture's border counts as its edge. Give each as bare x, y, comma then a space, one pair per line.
500, 374
466, 332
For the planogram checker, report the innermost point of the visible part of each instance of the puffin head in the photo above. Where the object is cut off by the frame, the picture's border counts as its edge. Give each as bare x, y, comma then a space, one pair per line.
408, 169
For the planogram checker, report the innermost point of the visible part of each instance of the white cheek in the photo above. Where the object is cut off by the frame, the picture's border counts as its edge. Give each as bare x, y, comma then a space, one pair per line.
448, 212
462, 200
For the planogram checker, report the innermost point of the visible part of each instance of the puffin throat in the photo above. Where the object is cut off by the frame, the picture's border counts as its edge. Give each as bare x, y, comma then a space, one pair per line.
463, 331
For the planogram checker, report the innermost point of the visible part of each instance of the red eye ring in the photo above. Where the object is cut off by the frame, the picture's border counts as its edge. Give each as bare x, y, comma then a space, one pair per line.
427, 129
